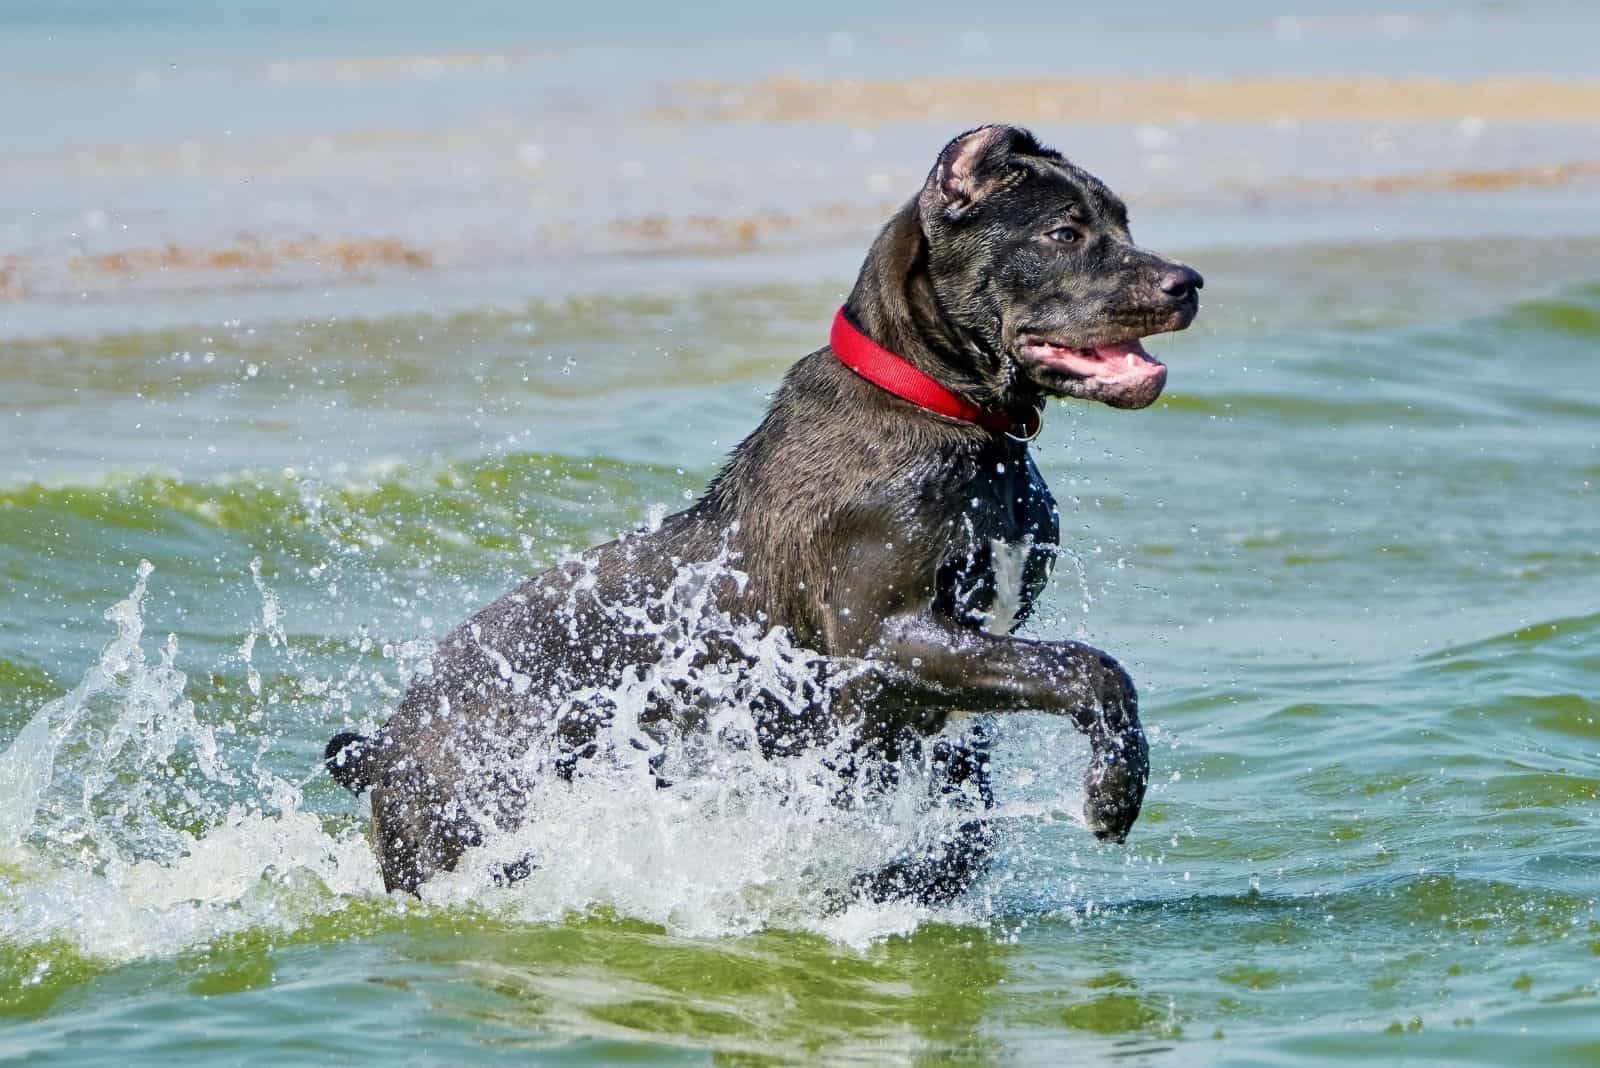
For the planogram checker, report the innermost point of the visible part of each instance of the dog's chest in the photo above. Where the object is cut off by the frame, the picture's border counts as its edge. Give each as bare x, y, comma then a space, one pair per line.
1008, 561
1002, 547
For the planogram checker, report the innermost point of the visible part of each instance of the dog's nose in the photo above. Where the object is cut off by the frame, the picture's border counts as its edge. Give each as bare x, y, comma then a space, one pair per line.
1179, 281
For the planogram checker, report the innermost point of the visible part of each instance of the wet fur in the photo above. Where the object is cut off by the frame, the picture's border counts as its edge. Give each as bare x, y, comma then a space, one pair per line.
867, 528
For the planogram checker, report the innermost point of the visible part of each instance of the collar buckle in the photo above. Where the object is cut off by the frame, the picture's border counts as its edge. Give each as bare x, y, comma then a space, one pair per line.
1037, 421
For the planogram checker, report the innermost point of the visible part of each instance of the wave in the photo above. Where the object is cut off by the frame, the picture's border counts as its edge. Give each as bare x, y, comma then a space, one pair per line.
429, 505
1575, 313
1568, 641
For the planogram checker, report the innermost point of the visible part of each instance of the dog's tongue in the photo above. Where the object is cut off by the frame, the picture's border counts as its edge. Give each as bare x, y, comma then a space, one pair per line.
1132, 377
1123, 375
1124, 360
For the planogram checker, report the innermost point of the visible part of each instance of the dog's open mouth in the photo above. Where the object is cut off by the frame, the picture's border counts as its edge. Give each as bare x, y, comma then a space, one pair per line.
1122, 375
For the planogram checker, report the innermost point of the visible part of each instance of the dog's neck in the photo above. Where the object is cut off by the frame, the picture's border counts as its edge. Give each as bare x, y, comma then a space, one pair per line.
895, 304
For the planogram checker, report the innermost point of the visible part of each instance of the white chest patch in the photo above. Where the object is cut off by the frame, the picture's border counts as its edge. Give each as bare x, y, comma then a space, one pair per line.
1010, 558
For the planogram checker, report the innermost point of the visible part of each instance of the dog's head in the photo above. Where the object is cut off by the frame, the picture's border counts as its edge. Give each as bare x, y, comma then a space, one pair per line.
1031, 260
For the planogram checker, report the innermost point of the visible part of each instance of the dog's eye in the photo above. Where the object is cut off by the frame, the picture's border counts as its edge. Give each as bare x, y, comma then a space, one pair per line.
1066, 235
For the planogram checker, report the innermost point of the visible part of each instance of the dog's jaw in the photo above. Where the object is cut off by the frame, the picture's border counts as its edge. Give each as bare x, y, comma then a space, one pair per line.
1122, 375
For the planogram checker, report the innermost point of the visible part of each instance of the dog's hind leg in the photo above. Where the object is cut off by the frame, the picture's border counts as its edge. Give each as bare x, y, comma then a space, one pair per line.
943, 872
937, 876
418, 829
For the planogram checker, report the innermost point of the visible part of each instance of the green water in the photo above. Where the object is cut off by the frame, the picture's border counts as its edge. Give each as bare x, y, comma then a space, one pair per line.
1352, 558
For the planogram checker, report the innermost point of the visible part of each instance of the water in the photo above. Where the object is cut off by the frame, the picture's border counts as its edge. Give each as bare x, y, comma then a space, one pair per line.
257, 462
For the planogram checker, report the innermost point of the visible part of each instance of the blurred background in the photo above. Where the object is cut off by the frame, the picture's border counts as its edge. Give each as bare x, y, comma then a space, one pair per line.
421, 158
343, 318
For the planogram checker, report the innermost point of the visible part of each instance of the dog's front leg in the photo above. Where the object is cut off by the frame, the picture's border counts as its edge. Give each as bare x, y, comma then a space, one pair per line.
928, 663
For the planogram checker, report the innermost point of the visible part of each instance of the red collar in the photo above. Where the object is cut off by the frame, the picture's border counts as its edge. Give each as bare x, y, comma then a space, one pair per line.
894, 374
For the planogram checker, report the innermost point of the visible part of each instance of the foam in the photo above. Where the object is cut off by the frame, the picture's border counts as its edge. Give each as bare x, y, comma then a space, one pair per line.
129, 832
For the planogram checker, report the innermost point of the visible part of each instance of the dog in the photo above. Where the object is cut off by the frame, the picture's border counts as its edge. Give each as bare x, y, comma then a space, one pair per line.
885, 516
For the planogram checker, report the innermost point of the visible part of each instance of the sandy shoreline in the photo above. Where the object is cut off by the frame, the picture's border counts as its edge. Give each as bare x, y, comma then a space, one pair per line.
248, 260
1244, 100
475, 186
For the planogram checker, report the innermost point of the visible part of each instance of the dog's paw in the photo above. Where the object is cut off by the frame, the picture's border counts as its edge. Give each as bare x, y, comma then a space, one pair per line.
1114, 787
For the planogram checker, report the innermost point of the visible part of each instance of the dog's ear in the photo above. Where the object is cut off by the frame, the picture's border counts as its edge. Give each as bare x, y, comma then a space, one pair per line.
973, 165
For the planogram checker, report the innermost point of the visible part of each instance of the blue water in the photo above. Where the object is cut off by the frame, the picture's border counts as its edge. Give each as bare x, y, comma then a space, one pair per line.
344, 318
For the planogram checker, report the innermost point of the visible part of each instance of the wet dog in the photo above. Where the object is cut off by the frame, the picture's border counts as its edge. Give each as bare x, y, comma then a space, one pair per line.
885, 516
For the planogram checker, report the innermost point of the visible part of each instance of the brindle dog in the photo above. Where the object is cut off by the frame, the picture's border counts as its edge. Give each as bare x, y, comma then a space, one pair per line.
901, 546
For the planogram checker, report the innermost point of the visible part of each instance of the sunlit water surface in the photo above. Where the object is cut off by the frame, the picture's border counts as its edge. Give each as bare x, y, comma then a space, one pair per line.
1352, 559
1352, 563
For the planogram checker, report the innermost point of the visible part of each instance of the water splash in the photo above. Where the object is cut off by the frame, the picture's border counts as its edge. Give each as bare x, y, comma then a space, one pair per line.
742, 839
128, 830
66, 760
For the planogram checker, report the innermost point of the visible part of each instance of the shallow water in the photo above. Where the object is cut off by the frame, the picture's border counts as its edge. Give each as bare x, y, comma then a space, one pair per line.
1352, 558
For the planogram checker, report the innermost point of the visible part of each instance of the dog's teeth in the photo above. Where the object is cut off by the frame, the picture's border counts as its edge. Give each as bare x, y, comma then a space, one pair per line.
1127, 361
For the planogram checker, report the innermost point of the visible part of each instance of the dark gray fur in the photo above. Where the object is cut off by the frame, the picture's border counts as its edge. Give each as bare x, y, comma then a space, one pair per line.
866, 527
